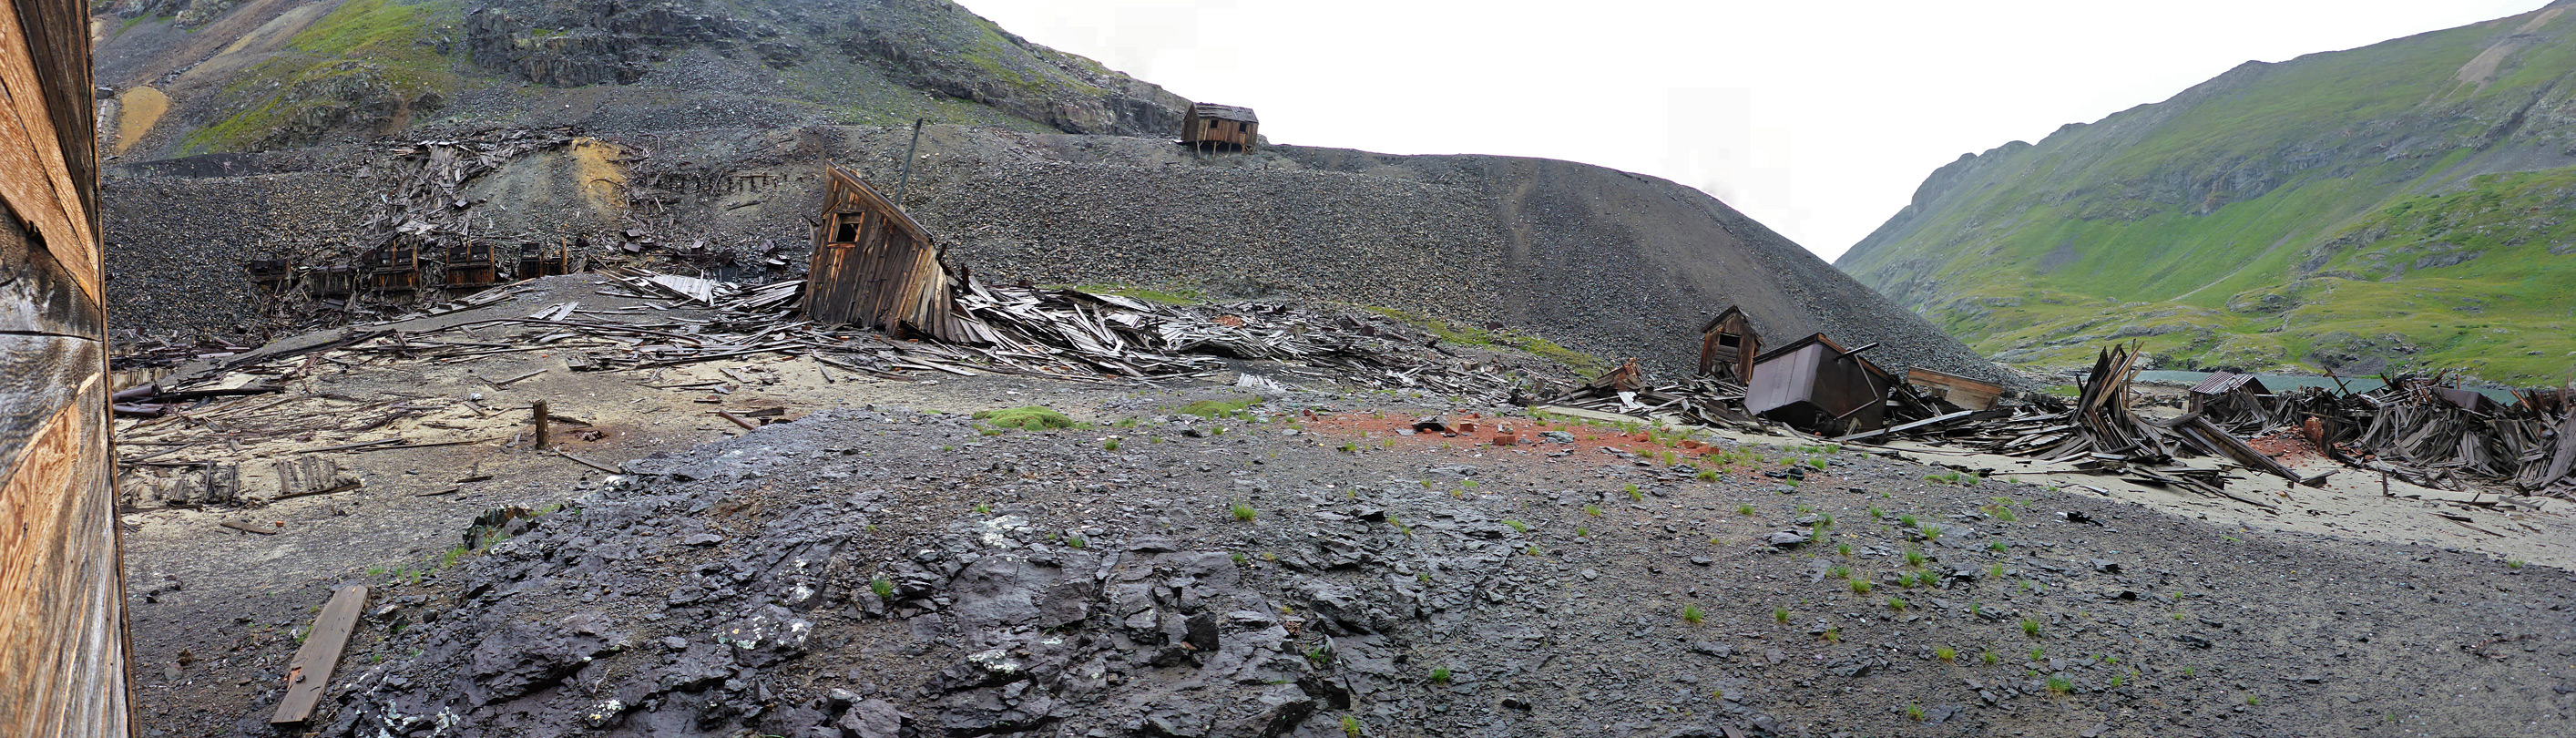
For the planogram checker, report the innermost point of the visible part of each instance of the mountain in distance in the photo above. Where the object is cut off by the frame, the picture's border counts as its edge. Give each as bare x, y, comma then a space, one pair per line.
2407, 205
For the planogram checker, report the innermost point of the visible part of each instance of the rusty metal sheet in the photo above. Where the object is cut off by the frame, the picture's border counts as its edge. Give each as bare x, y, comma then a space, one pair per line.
310, 673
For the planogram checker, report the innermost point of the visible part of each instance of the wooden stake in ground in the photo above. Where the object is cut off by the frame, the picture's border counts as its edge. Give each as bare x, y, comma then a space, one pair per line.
540, 407
310, 673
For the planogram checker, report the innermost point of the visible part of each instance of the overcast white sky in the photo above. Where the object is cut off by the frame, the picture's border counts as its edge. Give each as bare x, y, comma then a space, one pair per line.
1817, 118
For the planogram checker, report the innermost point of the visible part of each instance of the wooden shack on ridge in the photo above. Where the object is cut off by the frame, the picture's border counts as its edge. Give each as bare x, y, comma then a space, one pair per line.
875, 267
1728, 344
1817, 385
1220, 127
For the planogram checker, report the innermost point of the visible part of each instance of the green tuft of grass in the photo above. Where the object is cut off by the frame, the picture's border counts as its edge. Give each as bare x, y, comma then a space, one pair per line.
1989, 657
883, 588
1744, 509
2030, 628
983, 508
1844, 549
1859, 585
1908, 520
1592, 510
2060, 685
1691, 614
1244, 513
1517, 526
1945, 654
1030, 418
1914, 558
1110, 445
1780, 614
1350, 727
1440, 675
1914, 712
1897, 604
1582, 532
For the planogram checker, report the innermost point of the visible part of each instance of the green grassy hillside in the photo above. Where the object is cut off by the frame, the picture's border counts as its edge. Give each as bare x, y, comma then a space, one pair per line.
2405, 204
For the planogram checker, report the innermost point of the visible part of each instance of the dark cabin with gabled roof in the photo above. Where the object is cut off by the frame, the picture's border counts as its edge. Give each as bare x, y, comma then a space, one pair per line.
1220, 127
875, 267
1728, 344
1817, 385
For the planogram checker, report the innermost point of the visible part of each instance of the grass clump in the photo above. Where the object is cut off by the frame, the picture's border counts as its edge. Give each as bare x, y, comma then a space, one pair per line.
1031, 418
1914, 558
1691, 614
1592, 510
1989, 657
1440, 675
2060, 685
1946, 654
1109, 445
1859, 585
1896, 603
883, 588
1744, 509
1908, 520
1633, 494
2030, 628
983, 508
1780, 614
1914, 712
1217, 409
1517, 526
1350, 726
1244, 513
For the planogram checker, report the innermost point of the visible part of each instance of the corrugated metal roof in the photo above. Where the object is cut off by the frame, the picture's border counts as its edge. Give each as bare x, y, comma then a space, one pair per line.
2221, 383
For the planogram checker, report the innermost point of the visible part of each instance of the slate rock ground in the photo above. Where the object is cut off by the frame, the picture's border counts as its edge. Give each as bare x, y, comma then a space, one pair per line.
890, 570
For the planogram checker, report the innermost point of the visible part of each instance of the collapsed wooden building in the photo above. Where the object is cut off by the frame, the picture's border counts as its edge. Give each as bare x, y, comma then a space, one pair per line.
875, 267
1816, 384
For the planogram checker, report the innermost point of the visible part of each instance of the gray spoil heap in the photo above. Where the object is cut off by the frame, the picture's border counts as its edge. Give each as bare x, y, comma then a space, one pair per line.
1607, 262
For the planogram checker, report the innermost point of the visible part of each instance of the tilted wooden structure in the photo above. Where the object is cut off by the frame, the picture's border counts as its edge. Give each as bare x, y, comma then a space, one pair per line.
1220, 127
1968, 394
62, 596
874, 267
1728, 344
1817, 384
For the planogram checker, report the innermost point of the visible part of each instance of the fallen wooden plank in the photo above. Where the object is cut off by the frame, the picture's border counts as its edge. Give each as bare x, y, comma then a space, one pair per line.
310, 672
586, 462
248, 528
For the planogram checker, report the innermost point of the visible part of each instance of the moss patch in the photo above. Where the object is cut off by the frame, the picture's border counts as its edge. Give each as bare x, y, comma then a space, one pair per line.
1031, 418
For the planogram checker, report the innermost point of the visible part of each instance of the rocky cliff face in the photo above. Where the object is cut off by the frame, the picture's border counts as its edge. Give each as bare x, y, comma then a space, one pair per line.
252, 75
2250, 211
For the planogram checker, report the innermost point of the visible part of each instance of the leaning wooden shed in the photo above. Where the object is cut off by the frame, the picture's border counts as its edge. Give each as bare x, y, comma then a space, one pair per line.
874, 267
1728, 344
1815, 384
1968, 394
1220, 127
62, 594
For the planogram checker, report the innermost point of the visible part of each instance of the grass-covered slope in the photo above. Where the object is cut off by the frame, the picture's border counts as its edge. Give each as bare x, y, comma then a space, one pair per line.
2403, 204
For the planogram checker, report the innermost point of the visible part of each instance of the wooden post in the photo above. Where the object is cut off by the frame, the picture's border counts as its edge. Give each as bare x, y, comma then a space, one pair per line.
540, 407
62, 591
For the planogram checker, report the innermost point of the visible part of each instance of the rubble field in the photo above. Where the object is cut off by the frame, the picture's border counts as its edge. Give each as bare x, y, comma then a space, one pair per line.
1253, 551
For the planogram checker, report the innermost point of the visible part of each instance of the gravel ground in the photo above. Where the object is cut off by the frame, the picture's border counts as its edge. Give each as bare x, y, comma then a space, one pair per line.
862, 571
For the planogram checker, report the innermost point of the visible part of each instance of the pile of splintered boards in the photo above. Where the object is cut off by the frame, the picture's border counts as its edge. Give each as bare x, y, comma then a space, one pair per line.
2415, 428
1046, 332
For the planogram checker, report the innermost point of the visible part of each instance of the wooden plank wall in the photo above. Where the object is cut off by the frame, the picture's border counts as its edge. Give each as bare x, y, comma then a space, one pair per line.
889, 276
62, 619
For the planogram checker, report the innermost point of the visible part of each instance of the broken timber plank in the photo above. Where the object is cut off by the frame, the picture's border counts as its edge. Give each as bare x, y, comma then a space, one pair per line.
310, 673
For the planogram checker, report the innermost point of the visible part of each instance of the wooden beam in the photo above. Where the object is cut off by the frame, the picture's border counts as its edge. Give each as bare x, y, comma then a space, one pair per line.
310, 673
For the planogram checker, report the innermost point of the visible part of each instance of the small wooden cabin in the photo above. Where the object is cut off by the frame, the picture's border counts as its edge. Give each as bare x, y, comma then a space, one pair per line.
1817, 385
1728, 344
1220, 127
876, 268
1968, 394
